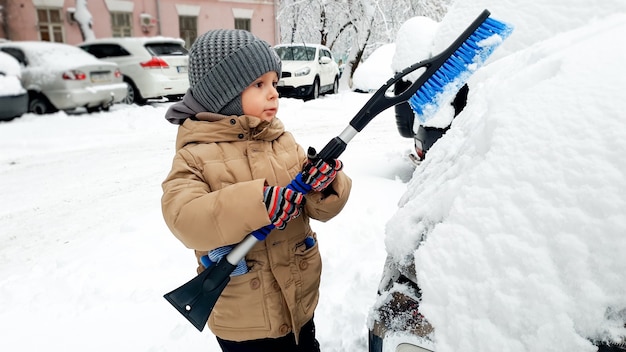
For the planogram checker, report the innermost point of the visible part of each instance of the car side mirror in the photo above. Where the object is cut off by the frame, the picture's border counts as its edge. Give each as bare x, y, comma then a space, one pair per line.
325, 60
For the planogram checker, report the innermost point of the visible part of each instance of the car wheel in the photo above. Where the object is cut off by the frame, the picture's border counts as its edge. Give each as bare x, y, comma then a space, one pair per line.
92, 109
315, 93
335, 89
40, 105
132, 94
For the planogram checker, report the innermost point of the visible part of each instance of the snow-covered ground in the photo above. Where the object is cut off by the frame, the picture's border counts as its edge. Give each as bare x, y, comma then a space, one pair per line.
85, 256
524, 200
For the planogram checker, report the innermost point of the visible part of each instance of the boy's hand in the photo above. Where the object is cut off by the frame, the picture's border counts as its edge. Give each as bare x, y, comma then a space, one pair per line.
283, 204
320, 174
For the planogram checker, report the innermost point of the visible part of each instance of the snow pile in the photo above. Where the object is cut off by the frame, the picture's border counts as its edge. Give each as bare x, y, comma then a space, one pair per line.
375, 71
414, 43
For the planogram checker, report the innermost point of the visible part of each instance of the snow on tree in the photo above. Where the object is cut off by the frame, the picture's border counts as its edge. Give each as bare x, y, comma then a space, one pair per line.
351, 29
84, 19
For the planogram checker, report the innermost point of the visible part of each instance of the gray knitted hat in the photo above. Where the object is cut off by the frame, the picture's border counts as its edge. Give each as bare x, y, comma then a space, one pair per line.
222, 63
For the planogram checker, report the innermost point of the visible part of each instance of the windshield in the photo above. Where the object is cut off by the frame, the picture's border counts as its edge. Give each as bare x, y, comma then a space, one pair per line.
296, 53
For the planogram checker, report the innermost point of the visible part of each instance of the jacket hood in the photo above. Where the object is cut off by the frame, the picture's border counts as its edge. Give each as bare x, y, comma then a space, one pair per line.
209, 127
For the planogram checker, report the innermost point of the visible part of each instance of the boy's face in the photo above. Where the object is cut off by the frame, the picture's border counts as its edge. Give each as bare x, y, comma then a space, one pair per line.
260, 98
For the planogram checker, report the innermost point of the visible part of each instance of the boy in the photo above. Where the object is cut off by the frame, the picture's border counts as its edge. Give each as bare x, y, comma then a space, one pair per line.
233, 161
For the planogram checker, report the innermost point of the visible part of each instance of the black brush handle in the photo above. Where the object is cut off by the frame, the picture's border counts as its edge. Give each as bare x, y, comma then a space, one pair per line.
380, 101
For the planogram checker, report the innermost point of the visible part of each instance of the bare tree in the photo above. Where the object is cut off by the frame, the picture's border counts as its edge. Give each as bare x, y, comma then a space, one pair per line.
352, 28
84, 19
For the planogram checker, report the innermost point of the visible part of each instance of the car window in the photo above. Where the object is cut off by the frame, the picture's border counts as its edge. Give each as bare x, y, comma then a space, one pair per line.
17, 54
9, 66
160, 49
296, 53
105, 50
326, 53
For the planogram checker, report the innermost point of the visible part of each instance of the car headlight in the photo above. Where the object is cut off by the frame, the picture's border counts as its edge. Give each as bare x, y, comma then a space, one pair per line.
302, 72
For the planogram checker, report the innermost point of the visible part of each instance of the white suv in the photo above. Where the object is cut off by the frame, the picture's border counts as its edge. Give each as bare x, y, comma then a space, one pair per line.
308, 71
153, 67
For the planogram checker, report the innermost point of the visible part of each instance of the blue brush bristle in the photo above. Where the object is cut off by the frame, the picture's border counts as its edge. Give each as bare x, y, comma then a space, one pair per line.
455, 71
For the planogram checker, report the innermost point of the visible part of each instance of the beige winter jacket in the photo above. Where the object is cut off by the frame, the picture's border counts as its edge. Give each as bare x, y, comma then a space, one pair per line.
213, 197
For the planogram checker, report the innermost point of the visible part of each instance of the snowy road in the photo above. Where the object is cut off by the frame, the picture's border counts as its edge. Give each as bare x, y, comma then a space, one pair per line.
85, 256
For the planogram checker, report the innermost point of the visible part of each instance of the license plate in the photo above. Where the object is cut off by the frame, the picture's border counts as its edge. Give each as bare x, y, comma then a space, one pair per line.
181, 69
99, 77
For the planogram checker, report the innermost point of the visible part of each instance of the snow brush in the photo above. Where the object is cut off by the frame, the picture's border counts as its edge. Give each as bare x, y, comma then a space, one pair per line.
443, 74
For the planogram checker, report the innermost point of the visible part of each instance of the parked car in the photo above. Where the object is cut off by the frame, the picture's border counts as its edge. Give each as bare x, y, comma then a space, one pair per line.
375, 71
397, 323
423, 136
62, 77
308, 71
153, 68
13, 97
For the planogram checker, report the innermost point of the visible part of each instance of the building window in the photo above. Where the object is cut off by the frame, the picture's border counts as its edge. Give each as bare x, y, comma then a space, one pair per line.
242, 23
121, 24
50, 25
188, 29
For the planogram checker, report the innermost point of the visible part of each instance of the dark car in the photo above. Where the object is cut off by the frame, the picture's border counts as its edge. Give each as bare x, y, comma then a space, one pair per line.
398, 324
425, 136
13, 97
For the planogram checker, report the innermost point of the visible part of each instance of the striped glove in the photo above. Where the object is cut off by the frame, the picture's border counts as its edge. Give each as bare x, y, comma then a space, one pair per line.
283, 204
217, 254
321, 174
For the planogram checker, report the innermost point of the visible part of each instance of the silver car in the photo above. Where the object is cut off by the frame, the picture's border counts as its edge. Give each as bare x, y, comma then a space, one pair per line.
62, 77
153, 67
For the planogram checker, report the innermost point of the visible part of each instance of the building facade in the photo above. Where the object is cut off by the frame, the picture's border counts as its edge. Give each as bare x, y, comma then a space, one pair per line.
61, 20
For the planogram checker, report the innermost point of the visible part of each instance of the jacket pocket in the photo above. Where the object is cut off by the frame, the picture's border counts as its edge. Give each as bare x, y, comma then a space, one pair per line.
241, 305
309, 266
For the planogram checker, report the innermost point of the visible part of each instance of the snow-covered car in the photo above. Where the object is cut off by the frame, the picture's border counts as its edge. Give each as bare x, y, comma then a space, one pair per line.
423, 136
308, 71
153, 67
62, 77
13, 97
411, 49
372, 73
396, 322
